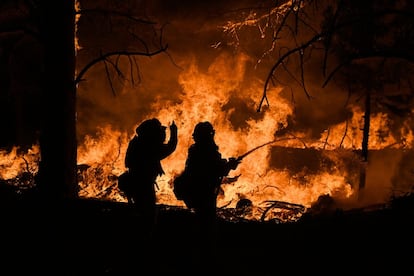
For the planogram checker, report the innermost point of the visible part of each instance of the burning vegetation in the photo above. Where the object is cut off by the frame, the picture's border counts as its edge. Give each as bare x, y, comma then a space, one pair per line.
315, 157
281, 180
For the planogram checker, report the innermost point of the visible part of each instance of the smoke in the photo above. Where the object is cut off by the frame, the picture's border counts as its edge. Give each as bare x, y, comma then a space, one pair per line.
192, 32
128, 103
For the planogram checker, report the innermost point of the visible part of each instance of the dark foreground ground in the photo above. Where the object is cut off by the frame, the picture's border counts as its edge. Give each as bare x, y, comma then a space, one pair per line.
89, 237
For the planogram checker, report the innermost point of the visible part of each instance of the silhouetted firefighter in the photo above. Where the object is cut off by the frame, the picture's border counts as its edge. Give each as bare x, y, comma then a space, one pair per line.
183, 183
204, 171
144, 153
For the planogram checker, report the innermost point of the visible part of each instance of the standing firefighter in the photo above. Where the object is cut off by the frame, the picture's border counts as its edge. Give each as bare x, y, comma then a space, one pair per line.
203, 173
143, 160
206, 169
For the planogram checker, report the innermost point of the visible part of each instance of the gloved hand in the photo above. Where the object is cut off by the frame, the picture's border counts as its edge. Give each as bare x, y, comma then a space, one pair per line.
233, 162
173, 127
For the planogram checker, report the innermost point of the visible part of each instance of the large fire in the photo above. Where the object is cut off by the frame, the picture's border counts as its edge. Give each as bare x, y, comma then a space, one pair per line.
265, 174
296, 167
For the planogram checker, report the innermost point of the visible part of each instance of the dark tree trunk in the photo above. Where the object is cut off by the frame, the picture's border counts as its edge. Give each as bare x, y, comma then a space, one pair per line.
57, 170
367, 121
365, 139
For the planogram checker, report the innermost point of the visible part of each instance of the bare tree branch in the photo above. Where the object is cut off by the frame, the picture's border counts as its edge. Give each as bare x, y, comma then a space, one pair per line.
105, 57
280, 61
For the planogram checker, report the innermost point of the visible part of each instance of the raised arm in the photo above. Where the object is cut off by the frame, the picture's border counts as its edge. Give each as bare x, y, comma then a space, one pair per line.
172, 142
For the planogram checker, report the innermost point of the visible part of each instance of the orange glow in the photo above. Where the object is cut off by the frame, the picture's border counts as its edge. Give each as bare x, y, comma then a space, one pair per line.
77, 17
204, 94
101, 156
12, 163
311, 155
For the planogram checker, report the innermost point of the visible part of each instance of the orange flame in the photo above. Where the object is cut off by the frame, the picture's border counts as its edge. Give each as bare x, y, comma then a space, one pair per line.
209, 96
204, 96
